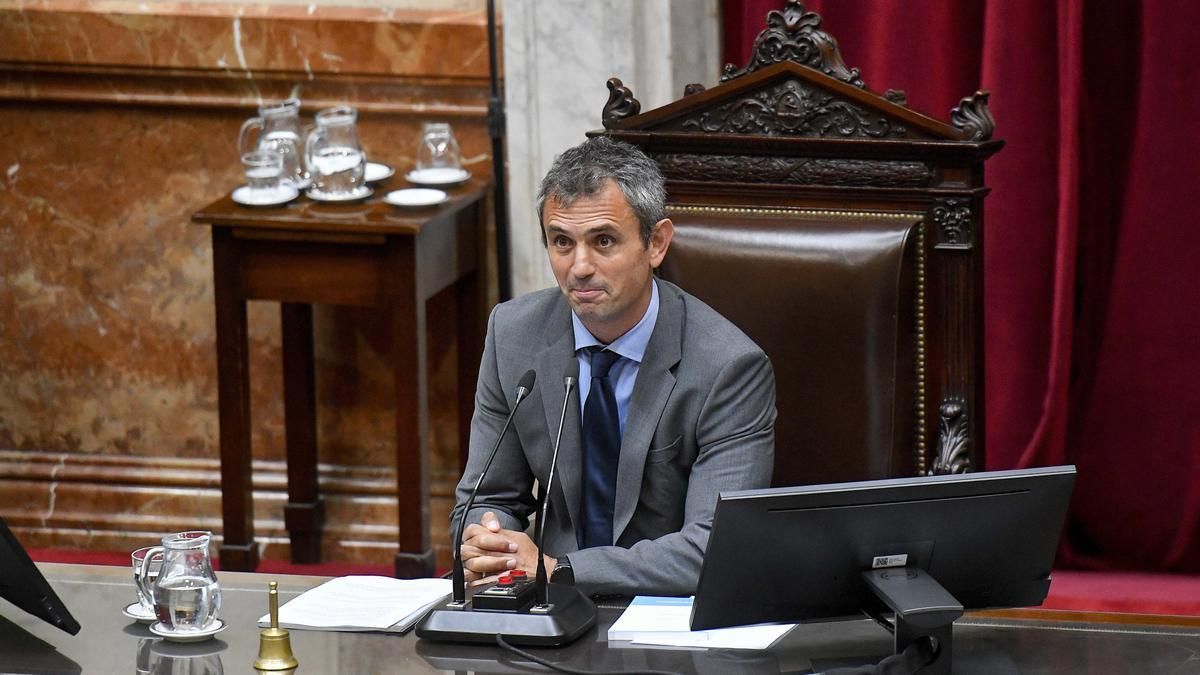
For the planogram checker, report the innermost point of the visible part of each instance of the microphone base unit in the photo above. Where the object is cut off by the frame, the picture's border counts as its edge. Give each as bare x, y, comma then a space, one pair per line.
569, 615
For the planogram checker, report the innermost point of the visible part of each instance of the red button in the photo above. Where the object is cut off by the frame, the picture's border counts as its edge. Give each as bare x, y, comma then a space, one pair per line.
505, 581
517, 574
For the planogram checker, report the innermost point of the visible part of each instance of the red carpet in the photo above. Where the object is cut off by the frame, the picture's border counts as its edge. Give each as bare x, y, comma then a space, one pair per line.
1135, 592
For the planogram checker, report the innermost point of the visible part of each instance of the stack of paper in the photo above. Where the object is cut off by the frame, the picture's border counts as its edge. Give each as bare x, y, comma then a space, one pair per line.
362, 604
664, 621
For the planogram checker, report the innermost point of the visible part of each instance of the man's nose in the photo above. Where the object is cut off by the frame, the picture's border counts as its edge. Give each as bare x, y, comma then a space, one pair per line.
581, 263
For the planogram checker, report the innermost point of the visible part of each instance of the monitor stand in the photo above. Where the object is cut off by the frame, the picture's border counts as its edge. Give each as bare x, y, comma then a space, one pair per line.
923, 609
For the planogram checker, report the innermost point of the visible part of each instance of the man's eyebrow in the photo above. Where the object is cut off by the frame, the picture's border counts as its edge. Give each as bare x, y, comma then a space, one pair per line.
602, 228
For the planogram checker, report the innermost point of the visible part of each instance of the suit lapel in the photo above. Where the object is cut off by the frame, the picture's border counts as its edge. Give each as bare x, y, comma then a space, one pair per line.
650, 394
554, 362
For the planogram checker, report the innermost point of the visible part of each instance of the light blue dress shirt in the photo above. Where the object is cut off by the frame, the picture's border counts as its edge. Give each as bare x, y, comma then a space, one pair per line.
631, 346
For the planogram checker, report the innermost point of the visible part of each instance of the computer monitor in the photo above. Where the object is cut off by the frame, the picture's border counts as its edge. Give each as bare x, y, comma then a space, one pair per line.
22, 584
924, 548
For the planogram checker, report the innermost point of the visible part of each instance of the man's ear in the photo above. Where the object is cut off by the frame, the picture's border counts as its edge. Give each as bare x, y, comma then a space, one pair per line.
660, 241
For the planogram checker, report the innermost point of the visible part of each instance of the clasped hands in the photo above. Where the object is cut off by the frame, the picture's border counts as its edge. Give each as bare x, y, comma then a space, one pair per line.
489, 550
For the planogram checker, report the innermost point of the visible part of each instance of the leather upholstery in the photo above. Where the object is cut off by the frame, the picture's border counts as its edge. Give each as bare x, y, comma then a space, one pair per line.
830, 300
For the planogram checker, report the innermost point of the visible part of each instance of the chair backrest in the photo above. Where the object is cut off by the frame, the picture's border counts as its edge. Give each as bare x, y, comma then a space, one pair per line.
842, 231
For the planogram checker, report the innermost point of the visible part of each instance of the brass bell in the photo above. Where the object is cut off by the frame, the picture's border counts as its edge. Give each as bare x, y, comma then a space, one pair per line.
274, 644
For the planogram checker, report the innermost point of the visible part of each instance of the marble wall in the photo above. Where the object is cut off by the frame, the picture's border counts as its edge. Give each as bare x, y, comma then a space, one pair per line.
118, 120
558, 57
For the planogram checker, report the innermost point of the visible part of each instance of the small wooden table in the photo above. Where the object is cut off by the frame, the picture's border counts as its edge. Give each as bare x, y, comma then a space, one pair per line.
364, 254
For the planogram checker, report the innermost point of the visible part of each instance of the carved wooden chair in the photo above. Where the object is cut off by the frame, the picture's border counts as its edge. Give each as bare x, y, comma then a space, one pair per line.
842, 231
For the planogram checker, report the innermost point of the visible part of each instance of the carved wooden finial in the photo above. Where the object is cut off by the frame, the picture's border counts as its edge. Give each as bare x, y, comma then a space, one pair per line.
953, 440
794, 35
973, 118
693, 88
621, 103
953, 218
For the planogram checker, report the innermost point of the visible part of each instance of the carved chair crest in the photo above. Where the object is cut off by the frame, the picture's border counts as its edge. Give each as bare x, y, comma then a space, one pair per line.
806, 90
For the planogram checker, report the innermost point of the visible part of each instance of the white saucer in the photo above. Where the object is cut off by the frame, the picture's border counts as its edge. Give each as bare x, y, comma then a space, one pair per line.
362, 192
377, 171
415, 197
437, 176
189, 636
247, 196
138, 613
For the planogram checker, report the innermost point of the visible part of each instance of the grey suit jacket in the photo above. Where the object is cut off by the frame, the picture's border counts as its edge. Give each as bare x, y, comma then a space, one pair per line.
701, 421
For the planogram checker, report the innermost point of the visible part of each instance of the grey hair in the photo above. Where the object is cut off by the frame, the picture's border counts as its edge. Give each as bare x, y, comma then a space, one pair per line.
581, 171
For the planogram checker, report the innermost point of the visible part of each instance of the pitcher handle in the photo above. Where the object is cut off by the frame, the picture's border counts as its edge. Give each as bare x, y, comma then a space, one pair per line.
144, 569
253, 122
310, 147
305, 132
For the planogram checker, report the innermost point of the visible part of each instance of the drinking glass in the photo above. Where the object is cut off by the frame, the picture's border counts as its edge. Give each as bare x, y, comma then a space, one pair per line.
334, 154
438, 149
187, 597
264, 170
144, 583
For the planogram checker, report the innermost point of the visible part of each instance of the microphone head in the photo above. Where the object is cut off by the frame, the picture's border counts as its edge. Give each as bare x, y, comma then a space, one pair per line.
569, 381
527, 380
525, 385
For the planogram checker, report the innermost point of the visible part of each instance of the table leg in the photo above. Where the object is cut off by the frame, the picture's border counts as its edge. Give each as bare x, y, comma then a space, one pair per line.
469, 306
304, 513
238, 550
473, 306
410, 368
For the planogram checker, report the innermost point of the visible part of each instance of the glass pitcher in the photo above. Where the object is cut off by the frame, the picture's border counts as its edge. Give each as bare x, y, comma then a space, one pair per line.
186, 594
334, 155
278, 126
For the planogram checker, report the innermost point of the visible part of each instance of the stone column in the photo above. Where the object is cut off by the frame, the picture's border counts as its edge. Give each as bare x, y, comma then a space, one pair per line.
557, 58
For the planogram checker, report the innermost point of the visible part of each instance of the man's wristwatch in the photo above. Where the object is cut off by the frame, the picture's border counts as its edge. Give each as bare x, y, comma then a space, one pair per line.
563, 574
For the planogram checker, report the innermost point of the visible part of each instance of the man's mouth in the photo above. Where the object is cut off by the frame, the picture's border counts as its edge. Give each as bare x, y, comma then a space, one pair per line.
587, 294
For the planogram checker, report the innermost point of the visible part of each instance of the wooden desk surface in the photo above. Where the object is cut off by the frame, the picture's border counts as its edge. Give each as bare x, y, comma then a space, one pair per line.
1026, 641
370, 216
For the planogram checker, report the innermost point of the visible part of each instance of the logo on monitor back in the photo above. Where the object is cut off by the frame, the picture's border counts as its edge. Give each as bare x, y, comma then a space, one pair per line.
881, 561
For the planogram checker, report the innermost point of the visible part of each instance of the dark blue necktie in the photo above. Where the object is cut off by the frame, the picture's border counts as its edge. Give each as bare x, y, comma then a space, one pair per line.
601, 450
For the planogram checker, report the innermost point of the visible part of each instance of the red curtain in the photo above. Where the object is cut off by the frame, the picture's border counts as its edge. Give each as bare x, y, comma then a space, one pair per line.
1092, 230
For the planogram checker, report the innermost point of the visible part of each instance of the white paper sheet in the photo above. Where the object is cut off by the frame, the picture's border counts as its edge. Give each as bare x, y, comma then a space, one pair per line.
662, 621
362, 603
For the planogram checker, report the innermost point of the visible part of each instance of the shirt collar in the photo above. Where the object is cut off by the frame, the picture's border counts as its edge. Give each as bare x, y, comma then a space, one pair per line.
632, 345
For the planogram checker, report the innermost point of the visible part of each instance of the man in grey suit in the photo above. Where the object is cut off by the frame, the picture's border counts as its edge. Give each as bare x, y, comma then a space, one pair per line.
675, 404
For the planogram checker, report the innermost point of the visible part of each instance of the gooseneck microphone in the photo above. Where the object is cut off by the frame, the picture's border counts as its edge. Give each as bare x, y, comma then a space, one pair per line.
542, 586
513, 610
459, 575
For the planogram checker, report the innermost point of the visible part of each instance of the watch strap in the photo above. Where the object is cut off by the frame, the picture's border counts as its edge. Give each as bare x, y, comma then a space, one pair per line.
563, 573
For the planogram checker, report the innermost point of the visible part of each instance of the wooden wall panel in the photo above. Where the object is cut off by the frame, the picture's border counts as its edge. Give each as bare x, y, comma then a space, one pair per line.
116, 125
